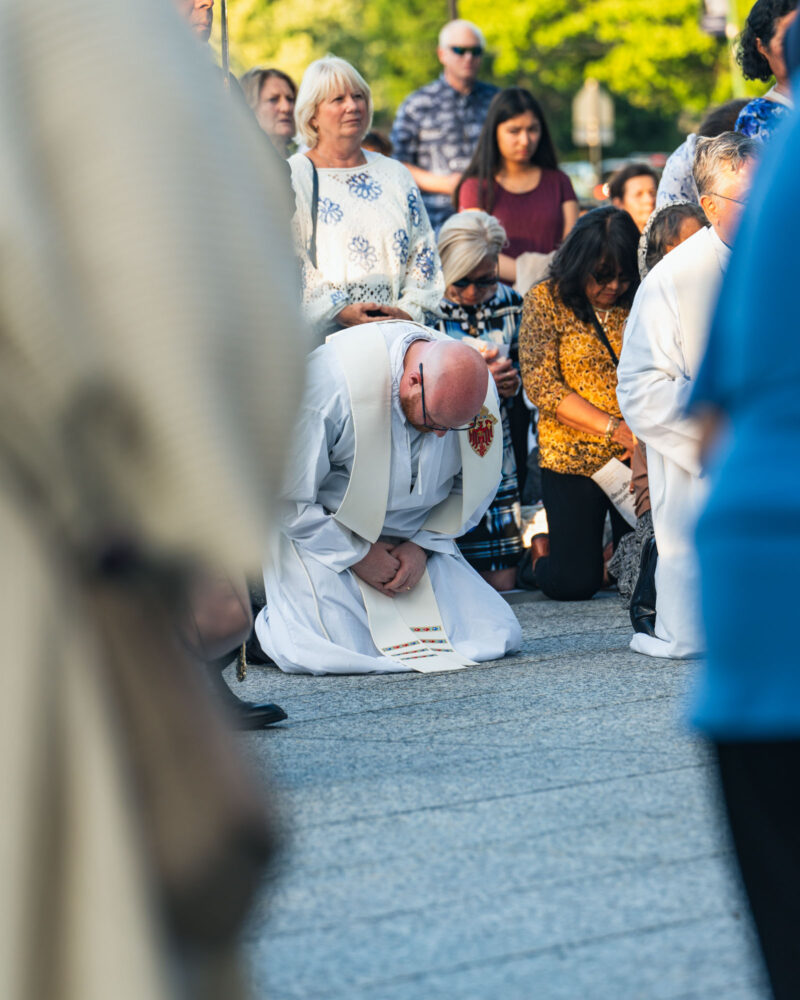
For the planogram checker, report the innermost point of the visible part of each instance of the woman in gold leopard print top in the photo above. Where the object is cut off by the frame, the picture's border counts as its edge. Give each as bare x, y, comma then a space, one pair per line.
569, 373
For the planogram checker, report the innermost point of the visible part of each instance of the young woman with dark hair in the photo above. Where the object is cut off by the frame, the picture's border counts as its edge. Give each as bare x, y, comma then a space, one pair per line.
569, 343
760, 54
514, 176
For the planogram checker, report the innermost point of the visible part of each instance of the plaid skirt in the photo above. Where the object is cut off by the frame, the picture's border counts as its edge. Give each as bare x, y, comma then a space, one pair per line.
495, 542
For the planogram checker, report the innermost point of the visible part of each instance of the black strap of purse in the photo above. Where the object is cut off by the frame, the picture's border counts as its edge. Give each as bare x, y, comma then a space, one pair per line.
312, 250
601, 333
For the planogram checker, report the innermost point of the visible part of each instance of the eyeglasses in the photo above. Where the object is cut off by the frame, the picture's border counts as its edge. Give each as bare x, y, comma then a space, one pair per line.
606, 277
485, 282
717, 195
426, 422
462, 50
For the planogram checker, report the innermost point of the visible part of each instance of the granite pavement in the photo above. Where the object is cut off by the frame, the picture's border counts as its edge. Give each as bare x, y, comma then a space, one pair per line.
544, 827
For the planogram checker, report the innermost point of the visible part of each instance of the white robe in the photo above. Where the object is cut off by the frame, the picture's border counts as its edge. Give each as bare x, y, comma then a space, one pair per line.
315, 620
664, 344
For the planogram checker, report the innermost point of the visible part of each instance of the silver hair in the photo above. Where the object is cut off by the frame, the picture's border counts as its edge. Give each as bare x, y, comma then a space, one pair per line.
728, 151
460, 23
320, 80
465, 239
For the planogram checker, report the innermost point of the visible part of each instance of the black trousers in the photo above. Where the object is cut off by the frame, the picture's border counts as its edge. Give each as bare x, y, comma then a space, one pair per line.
761, 787
576, 511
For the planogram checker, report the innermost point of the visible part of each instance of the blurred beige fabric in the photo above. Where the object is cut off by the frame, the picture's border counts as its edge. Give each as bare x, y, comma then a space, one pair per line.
150, 364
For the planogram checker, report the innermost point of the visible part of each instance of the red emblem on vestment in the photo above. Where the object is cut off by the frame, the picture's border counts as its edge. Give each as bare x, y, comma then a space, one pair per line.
481, 432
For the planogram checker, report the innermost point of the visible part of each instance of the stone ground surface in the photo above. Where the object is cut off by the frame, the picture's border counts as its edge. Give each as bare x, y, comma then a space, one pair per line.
540, 828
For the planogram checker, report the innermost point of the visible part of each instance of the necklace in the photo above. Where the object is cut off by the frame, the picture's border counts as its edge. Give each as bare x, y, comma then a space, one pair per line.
604, 320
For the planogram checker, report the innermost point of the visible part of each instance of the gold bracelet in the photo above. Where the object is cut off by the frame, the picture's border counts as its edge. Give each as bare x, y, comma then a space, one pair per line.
611, 429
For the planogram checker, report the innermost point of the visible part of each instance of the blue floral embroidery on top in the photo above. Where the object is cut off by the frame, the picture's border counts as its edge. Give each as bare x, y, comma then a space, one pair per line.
413, 207
364, 186
338, 296
330, 212
425, 263
362, 253
400, 245
760, 118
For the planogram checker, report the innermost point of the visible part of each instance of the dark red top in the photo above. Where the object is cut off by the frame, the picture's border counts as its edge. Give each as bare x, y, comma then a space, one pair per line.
533, 221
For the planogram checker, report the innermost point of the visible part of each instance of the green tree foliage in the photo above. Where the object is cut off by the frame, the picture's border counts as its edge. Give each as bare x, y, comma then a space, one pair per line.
392, 44
650, 54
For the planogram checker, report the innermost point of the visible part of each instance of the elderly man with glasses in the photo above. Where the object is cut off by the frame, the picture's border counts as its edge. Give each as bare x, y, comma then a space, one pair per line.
664, 344
437, 126
398, 452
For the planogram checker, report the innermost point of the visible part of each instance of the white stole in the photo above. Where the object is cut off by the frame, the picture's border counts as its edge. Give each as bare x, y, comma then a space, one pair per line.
407, 627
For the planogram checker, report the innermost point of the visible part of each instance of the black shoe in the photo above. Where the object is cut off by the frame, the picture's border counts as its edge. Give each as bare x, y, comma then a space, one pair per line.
643, 598
249, 715
245, 715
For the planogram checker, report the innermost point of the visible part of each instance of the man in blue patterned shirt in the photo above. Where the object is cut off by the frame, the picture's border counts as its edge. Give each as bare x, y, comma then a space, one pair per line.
437, 126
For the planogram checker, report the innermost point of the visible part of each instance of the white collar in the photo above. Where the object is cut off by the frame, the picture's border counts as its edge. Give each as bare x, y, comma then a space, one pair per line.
773, 94
722, 250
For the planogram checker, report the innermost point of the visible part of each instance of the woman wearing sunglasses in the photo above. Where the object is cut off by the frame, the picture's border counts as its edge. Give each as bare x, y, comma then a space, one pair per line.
569, 344
514, 175
486, 314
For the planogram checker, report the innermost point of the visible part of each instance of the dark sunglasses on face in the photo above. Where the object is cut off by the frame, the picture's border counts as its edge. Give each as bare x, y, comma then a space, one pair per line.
462, 50
486, 282
606, 277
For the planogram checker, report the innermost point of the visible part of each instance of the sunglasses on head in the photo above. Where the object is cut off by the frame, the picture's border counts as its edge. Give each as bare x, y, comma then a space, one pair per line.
462, 50
486, 282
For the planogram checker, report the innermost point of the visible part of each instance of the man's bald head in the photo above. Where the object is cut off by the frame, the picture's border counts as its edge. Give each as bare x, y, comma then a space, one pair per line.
455, 378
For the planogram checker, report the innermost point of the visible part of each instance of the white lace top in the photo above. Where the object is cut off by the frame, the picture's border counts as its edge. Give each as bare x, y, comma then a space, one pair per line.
374, 240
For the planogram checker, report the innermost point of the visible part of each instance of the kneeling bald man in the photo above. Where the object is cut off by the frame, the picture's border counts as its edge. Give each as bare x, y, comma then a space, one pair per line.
397, 452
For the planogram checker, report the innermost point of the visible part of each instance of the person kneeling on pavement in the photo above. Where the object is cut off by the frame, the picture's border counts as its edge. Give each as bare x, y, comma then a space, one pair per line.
398, 451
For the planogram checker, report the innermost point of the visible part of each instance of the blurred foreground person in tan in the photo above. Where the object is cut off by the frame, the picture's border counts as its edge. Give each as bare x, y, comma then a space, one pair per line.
146, 396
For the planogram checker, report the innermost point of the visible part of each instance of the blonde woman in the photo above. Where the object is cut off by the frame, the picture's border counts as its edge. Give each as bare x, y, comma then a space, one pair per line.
365, 244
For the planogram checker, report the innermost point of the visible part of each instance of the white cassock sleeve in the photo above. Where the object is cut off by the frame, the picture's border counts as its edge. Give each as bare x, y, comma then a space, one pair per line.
653, 387
304, 518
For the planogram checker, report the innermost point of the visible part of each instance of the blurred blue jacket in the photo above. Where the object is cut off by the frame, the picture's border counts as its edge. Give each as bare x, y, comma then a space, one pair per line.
749, 535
